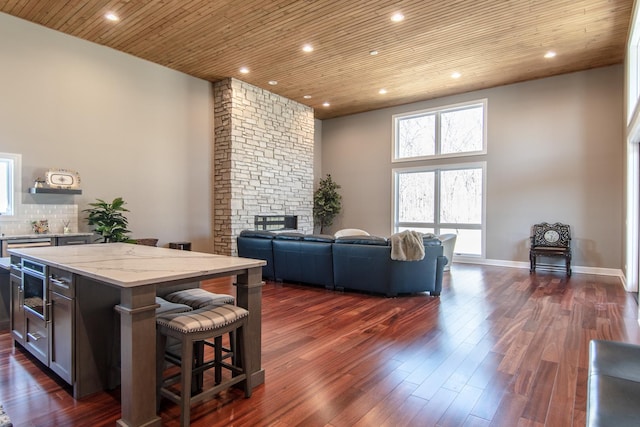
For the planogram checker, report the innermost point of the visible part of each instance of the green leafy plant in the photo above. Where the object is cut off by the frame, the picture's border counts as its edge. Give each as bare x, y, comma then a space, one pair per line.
109, 220
327, 202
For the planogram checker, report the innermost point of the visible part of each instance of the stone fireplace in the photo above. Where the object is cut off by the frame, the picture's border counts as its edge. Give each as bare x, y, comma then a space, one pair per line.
262, 160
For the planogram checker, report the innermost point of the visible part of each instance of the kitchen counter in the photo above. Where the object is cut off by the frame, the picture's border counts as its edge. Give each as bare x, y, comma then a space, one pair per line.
128, 265
137, 271
39, 236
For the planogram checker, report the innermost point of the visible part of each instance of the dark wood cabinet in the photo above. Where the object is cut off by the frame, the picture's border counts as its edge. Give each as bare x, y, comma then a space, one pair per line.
52, 340
36, 338
61, 345
72, 240
16, 311
62, 323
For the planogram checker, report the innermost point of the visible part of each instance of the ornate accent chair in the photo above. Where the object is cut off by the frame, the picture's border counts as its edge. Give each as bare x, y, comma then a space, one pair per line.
550, 240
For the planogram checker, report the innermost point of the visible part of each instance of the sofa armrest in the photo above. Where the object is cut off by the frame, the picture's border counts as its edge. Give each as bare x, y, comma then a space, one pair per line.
258, 247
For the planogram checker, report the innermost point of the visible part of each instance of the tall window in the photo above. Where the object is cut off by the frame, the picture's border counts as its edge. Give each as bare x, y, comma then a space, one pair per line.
440, 200
457, 130
9, 182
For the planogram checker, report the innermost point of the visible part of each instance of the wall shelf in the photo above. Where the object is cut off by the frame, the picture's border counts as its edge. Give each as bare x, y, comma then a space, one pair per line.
46, 190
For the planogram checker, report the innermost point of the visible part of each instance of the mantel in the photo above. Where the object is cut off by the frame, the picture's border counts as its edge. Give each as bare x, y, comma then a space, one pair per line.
47, 190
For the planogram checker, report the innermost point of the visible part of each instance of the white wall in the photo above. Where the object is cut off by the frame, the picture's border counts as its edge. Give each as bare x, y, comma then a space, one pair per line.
555, 153
129, 127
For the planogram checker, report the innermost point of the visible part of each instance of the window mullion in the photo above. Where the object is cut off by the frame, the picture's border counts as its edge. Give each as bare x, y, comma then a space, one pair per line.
436, 202
438, 143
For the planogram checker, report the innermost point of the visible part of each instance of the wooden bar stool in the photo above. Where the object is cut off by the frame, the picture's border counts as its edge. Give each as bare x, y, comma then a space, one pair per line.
203, 324
198, 298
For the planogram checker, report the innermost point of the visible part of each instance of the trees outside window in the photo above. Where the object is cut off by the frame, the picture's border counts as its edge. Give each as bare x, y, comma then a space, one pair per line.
442, 198
451, 131
10, 172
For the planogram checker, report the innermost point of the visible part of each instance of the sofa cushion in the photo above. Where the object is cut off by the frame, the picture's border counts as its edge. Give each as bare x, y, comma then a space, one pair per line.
289, 236
324, 238
363, 240
303, 261
262, 234
613, 384
615, 359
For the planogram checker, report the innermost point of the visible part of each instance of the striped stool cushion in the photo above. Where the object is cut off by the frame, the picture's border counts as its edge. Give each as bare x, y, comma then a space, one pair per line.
167, 307
203, 319
198, 298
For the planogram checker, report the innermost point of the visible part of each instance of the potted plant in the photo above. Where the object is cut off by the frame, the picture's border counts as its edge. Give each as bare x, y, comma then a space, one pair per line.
327, 202
109, 220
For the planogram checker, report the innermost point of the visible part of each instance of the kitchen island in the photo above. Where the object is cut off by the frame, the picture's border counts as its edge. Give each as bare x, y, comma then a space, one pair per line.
137, 272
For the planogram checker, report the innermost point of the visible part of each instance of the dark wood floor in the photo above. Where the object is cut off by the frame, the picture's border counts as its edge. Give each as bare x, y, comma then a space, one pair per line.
500, 347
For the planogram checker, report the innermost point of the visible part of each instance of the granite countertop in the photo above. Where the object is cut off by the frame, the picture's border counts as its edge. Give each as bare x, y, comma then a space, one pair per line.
5, 263
128, 265
39, 236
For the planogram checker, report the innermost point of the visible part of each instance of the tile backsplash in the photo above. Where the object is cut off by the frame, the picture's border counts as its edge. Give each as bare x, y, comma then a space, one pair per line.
56, 215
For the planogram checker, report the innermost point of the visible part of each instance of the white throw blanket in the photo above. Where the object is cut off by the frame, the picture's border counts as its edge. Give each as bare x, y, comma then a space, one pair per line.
407, 246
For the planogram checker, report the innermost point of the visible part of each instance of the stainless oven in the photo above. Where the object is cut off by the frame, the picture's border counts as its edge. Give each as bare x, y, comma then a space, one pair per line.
34, 285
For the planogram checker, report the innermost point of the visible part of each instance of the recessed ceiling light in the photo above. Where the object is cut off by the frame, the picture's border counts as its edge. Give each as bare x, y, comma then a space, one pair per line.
397, 17
550, 54
244, 70
273, 82
382, 91
112, 17
325, 104
455, 75
373, 52
307, 96
307, 48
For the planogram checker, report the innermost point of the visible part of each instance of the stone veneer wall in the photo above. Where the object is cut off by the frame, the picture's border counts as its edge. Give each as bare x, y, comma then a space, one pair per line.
263, 160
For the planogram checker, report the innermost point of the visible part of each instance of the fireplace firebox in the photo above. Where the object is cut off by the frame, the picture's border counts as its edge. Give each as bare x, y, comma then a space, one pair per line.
276, 222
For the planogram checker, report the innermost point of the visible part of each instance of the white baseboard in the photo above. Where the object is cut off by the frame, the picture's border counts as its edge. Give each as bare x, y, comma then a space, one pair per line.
519, 264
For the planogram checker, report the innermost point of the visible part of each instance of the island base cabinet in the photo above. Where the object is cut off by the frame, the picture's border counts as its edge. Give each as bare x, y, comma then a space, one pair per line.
36, 339
61, 345
97, 337
16, 309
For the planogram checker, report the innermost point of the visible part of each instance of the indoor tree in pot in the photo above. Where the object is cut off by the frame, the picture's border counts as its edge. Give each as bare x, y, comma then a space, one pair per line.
109, 220
327, 202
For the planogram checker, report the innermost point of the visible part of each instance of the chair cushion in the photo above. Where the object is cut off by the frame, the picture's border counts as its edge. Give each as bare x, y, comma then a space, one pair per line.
547, 250
198, 298
170, 307
204, 319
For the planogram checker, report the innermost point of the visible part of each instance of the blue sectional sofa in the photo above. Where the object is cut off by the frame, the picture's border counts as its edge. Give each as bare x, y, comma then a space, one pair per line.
361, 263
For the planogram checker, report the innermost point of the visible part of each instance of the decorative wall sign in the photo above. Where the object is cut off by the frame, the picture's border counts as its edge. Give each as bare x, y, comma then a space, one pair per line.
62, 178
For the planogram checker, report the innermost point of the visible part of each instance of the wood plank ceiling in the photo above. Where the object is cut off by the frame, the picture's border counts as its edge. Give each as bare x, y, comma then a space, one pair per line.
489, 42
